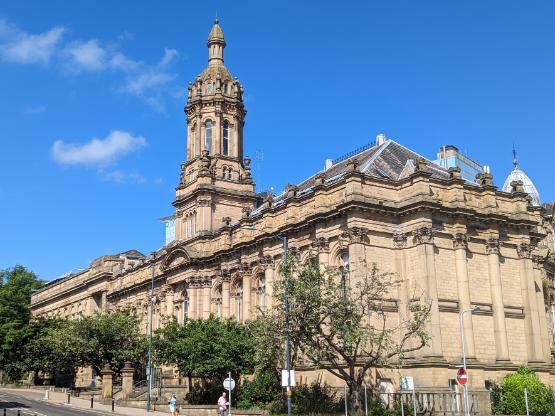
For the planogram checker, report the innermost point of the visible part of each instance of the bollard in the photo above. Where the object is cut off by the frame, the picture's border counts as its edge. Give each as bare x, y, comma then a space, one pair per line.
68, 398
4, 411
92, 398
18, 412
113, 403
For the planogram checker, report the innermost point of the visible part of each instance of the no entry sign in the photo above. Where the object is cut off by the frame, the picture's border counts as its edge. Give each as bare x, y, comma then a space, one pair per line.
462, 376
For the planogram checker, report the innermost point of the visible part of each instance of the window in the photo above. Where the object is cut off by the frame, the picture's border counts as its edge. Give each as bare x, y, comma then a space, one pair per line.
239, 301
208, 136
209, 88
225, 88
185, 306
344, 273
194, 141
262, 292
225, 144
218, 302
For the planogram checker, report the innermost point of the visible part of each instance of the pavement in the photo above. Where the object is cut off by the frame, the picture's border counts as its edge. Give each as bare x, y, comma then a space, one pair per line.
32, 403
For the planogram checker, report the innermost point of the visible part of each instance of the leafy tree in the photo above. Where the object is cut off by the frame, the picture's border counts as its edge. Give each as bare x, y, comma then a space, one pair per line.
16, 287
108, 338
541, 400
348, 329
206, 348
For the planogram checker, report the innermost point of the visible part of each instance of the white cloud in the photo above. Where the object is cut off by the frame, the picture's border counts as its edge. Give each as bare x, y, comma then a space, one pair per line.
121, 177
35, 110
21, 47
97, 151
86, 55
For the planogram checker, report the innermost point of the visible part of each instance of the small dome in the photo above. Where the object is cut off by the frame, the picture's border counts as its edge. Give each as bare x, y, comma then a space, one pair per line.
529, 187
216, 34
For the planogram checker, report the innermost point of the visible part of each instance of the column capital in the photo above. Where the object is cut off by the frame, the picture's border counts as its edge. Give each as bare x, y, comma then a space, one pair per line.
267, 262
204, 202
424, 235
492, 245
354, 234
460, 241
399, 239
524, 250
321, 244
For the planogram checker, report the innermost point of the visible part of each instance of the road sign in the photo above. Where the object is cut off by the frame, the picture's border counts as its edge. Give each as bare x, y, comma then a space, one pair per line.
284, 378
462, 376
407, 383
229, 384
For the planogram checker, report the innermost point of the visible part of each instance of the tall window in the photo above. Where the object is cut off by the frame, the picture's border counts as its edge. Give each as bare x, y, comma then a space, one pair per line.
185, 306
218, 302
208, 136
225, 144
194, 141
225, 88
344, 273
239, 301
262, 292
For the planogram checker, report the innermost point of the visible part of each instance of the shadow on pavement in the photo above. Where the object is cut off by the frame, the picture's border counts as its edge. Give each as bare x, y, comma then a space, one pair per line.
11, 405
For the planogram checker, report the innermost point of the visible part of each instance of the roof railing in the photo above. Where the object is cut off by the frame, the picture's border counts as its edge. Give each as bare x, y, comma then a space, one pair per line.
353, 153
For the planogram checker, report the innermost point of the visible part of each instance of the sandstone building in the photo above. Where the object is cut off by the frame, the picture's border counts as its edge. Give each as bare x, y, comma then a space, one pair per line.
457, 243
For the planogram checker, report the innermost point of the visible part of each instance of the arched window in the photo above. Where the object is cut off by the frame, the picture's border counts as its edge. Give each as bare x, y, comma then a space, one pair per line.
185, 306
344, 273
194, 141
209, 88
262, 292
226, 88
208, 136
218, 302
239, 301
225, 144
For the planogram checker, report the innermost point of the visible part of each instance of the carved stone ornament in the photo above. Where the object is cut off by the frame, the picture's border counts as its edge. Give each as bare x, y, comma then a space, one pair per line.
517, 187
455, 173
203, 202
354, 235
492, 245
204, 163
399, 239
460, 240
424, 235
524, 250
319, 179
321, 244
267, 261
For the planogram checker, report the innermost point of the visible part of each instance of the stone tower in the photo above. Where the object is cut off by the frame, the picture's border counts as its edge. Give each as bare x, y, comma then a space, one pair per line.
215, 186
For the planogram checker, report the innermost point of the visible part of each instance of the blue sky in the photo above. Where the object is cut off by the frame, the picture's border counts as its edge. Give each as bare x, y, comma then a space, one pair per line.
92, 128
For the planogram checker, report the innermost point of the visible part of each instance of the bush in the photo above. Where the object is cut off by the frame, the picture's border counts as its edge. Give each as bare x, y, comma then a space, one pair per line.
206, 393
259, 392
540, 397
314, 399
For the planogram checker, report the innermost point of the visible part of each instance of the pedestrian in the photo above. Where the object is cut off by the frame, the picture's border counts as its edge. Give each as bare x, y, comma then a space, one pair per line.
222, 404
173, 405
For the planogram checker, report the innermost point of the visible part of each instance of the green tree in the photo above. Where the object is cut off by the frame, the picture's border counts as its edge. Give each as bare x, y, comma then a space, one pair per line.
345, 328
206, 348
109, 338
16, 286
540, 398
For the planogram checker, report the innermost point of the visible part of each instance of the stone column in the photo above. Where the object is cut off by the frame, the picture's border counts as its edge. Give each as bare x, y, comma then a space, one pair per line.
542, 312
247, 295
107, 381
529, 301
169, 301
206, 298
127, 380
204, 215
104, 305
323, 246
400, 243
269, 274
425, 239
357, 259
226, 296
460, 244
499, 324
192, 301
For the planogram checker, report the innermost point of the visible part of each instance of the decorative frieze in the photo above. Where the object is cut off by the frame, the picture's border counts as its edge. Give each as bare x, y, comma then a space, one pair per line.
321, 245
354, 235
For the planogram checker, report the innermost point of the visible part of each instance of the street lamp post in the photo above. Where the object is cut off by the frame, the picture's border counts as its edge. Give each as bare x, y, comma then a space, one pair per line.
149, 367
465, 385
286, 310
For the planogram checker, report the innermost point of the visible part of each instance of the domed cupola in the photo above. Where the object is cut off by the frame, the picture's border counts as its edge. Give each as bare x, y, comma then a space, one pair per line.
518, 175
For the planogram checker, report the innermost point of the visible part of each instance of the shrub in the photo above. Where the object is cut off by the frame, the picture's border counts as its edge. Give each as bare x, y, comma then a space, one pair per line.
262, 390
540, 397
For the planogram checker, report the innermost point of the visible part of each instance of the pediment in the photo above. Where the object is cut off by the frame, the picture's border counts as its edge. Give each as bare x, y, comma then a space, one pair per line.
175, 258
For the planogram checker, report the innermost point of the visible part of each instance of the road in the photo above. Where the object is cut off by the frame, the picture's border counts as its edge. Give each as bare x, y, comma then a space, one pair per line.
30, 404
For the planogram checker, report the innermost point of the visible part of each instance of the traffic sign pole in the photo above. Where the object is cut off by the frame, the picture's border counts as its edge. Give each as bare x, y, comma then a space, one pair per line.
230, 388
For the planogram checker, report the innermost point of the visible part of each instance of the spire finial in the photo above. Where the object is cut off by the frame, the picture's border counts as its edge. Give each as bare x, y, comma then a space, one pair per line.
515, 160
216, 21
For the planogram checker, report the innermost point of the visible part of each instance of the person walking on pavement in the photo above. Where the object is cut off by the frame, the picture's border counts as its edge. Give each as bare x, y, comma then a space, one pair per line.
222, 404
173, 405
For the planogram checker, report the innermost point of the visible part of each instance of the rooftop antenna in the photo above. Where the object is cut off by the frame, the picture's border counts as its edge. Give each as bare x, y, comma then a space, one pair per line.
515, 160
